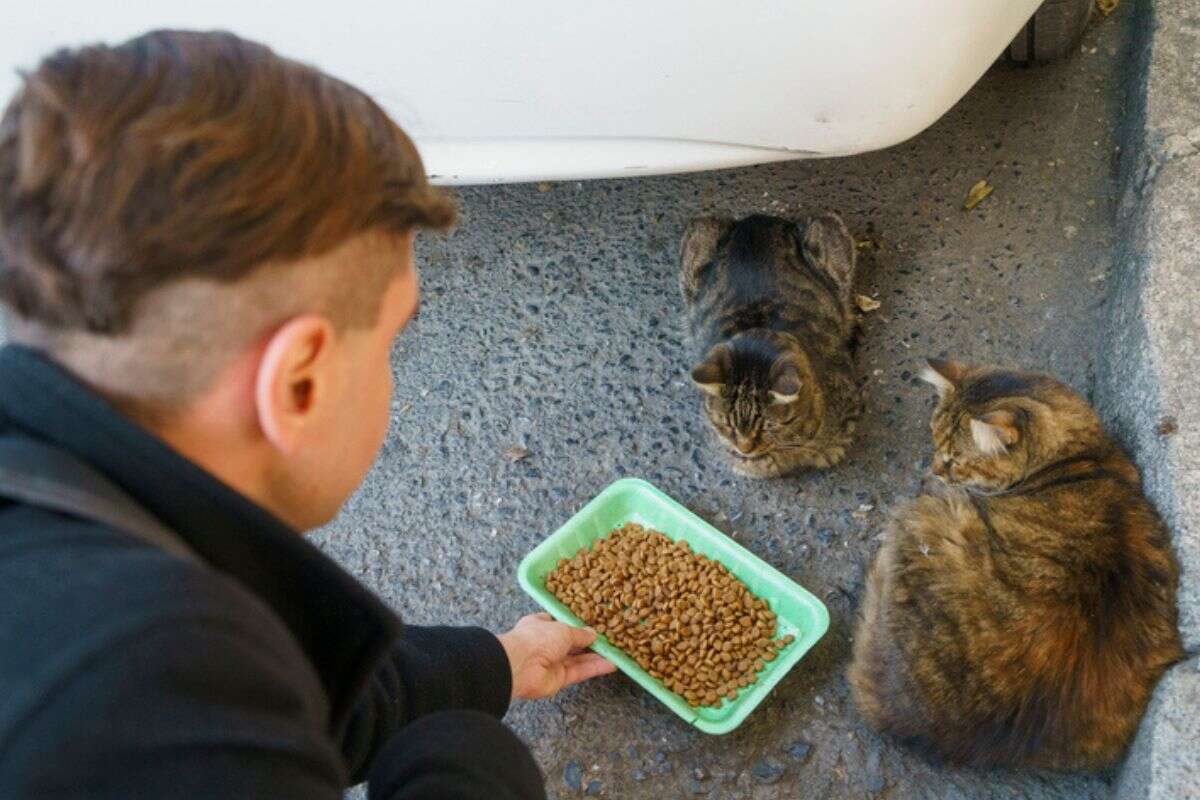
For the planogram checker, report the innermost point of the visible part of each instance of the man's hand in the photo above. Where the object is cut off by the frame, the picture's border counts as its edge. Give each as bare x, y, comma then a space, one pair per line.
546, 656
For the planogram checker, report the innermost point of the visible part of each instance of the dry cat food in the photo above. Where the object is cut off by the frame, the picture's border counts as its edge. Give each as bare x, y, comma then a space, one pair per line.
680, 615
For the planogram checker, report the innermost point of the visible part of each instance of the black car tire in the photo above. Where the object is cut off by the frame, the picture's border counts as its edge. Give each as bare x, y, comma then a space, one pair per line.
1052, 32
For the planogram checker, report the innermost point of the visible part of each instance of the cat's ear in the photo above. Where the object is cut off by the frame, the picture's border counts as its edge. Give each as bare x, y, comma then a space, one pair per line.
995, 431
943, 375
785, 382
828, 245
711, 374
699, 244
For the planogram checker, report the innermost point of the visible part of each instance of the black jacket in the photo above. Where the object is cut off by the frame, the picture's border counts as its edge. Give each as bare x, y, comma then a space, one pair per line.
266, 672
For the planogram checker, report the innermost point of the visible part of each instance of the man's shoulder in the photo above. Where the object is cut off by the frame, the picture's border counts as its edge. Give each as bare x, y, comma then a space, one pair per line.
76, 589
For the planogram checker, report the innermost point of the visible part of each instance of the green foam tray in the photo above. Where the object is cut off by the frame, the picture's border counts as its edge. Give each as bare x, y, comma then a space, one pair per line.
797, 611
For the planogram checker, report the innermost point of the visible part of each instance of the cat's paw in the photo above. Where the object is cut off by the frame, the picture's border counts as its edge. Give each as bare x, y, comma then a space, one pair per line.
761, 468
752, 469
834, 456
824, 459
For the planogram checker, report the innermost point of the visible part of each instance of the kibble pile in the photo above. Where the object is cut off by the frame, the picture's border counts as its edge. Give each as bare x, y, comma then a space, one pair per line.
680, 615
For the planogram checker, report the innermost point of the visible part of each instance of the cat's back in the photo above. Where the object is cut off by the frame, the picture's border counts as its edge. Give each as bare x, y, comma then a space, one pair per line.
759, 262
1087, 529
1063, 535
758, 278
755, 255
1093, 620
1049, 612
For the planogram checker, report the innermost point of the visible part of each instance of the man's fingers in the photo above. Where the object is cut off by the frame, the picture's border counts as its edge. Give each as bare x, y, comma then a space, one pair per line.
581, 637
586, 666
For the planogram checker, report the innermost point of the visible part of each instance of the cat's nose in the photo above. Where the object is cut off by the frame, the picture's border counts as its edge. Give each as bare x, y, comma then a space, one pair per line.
744, 445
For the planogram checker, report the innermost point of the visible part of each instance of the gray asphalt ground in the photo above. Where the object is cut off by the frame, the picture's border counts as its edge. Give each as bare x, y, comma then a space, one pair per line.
551, 322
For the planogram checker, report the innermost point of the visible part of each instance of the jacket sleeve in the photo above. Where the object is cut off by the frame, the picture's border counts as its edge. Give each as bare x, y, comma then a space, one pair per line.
455, 755
201, 708
430, 669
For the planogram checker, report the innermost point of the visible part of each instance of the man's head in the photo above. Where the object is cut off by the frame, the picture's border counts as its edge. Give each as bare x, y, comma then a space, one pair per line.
219, 241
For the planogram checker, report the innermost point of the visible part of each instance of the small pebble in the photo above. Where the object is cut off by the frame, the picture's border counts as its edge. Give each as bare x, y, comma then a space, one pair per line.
638, 775
573, 776
593, 789
874, 782
766, 772
799, 750
697, 787
699, 774
662, 769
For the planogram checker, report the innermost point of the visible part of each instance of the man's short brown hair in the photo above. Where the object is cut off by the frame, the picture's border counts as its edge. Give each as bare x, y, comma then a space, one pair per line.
187, 155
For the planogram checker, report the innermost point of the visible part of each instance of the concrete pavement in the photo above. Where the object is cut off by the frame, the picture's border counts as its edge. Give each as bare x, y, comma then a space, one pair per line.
551, 322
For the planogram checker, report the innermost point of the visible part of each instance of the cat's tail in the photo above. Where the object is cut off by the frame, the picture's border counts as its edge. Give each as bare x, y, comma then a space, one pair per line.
880, 685
866, 674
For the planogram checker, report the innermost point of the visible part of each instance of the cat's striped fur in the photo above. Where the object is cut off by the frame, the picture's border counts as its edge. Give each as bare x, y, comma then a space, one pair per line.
1022, 614
770, 305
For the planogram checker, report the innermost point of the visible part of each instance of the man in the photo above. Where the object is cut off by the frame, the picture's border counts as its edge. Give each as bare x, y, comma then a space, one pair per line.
205, 253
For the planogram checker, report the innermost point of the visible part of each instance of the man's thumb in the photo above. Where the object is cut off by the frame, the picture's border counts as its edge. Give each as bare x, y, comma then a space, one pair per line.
582, 637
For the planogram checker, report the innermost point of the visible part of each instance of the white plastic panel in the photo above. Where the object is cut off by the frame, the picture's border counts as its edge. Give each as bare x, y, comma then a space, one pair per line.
534, 89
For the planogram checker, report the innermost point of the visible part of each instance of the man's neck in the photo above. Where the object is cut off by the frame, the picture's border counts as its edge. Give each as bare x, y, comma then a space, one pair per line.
216, 432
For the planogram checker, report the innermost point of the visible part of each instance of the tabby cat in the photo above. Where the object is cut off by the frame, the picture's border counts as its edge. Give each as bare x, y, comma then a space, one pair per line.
1022, 614
771, 312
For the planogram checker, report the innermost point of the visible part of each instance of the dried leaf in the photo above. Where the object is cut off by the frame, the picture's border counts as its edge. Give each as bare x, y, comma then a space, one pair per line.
1166, 426
866, 303
1106, 7
515, 454
863, 512
544, 187
979, 191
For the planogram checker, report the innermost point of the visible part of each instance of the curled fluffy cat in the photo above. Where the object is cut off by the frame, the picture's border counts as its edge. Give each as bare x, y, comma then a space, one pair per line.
1022, 614
770, 308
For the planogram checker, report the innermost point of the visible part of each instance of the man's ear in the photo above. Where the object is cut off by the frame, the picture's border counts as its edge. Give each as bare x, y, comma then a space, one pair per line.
711, 374
292, 379
994, 431
942, 375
